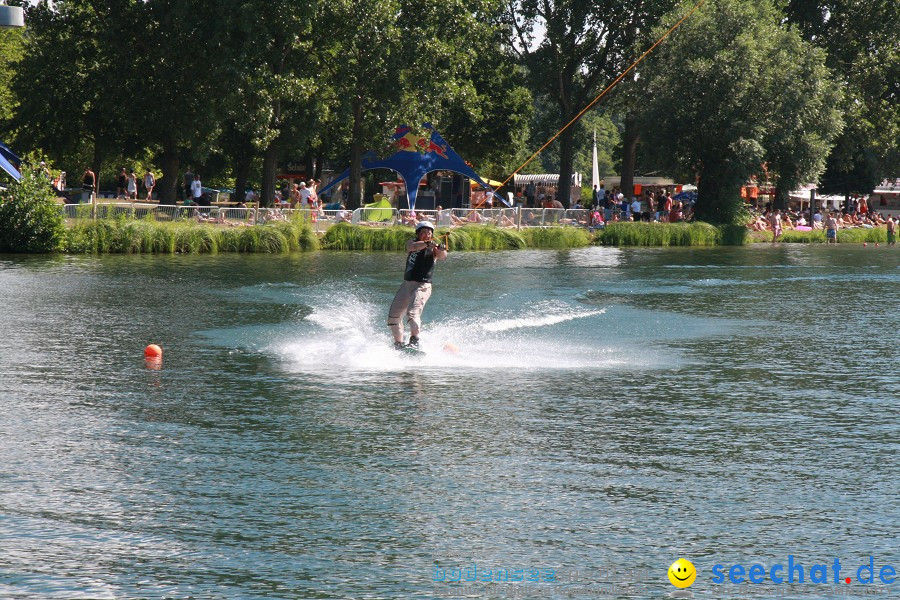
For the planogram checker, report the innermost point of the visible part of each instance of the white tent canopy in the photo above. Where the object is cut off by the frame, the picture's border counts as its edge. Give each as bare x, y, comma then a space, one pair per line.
545, 179
615, 180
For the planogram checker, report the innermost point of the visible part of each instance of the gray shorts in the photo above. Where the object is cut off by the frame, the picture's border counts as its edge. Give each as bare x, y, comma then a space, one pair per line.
410, 301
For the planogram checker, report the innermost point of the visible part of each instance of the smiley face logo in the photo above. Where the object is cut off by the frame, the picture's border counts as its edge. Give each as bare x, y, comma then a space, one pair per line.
682, 573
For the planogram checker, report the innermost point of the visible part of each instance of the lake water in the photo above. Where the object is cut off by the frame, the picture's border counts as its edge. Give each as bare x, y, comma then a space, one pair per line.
608, 412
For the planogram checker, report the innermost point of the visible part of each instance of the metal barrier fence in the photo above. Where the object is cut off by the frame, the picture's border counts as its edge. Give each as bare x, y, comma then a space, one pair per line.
321, 220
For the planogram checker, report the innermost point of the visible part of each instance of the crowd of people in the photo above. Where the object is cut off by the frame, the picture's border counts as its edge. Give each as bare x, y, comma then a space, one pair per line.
856, 215
606, 206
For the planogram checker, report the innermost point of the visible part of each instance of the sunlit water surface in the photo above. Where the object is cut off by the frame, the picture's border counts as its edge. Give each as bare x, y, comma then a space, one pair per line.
606, 409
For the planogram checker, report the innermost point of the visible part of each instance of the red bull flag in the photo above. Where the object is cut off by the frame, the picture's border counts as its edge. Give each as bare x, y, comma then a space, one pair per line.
416, 156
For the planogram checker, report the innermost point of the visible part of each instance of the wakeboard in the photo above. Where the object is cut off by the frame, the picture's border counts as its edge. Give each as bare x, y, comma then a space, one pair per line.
411, 351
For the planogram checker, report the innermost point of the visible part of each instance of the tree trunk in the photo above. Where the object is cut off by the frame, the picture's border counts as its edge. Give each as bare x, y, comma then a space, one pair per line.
718, 197
355, 194
308, 166
241, 174
270, 170
319, 159
630, 138
566, 160
169, 163
96, 165
782, 196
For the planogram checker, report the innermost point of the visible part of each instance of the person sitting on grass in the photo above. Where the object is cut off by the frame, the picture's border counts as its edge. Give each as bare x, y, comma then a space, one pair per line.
528, 218
409, 218
343, 215
473, 217
786, 222
504, 221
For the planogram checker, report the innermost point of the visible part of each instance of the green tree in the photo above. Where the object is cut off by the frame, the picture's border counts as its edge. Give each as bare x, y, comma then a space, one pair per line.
391, 62
860, 39
273, 107
715, 104
30, 219
804, 96
69, 81
364, 60
184, 65
584, 47
11, 43
488, 125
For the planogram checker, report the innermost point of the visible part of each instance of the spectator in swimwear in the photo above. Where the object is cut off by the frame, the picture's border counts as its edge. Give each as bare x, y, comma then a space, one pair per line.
409, 218
831, 227
149, 183
131, 186
775, 222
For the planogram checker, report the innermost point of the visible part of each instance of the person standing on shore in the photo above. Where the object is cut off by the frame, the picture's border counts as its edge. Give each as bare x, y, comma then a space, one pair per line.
831, 227
412, 296
775, 222
89, 181
305, 196
891, 231
196, 190
149, 183
188, 180
131, 186
121, 184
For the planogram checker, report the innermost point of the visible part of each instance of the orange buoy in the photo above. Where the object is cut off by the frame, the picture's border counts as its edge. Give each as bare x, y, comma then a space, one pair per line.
451, 348
153, 351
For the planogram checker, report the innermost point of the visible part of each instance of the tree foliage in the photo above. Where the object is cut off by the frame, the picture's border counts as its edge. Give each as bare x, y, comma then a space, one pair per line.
234, 88
863, 51
10, 52
719, 102
67, 79
30, 219
586, 45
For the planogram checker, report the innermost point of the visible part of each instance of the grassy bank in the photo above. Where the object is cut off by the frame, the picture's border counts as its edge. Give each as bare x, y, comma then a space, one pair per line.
122, 236
670, 234
473, 237
844, 236
146, 236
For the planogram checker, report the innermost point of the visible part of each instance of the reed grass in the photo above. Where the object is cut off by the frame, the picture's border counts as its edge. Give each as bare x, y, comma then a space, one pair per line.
121, 236
344, 236
482, 237
662, 234
556, 237
844, 236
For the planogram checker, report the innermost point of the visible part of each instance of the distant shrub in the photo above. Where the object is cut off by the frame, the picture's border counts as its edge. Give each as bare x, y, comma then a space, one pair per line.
661, 234
123, 236
30, 219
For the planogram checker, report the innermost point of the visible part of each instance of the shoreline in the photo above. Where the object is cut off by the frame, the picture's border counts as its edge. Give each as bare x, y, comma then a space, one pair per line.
149, 237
